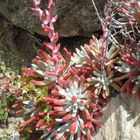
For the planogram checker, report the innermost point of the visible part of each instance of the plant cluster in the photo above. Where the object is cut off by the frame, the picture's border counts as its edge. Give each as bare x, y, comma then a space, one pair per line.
9, 82
63, 94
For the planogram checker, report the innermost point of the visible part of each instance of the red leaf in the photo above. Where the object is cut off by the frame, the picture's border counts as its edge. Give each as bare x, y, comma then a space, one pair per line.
67, 117
29, 72
129, 89
27, 122
47, 29
39, 123
55, 37
51, 5
43, 54
38, 57
48, 99
42, 113
20, 112
123, 87
57, 48
58, 102
68, 56
17, 105
35, 61
58, 109
55, 93
36, 2
51, 73
38, 83
97, 113
54, 19
43, 127
48, 46
73, 128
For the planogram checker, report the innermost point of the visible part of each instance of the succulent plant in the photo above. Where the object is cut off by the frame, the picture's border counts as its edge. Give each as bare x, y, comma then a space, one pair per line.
126, 21
44, 68
80, 57
73, 111
63, 95
129, 66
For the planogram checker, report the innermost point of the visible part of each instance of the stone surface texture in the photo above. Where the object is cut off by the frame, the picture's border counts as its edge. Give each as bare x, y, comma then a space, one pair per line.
121, 119
20, 28
76, 17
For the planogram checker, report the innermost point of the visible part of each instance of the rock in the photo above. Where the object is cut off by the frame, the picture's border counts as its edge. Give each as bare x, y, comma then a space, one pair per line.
18, 27
121, 120
75, 17
10, 132
17, 46
78, 17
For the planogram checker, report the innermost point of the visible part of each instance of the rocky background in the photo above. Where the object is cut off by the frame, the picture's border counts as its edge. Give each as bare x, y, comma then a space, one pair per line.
21, 35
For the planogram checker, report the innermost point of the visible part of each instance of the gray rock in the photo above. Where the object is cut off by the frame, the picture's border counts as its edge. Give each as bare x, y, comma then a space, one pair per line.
18, 25
121, 120
10, 132
76, 17
17, 46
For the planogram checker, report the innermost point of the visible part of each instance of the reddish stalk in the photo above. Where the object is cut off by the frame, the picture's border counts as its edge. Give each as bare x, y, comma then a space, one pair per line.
48, 19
